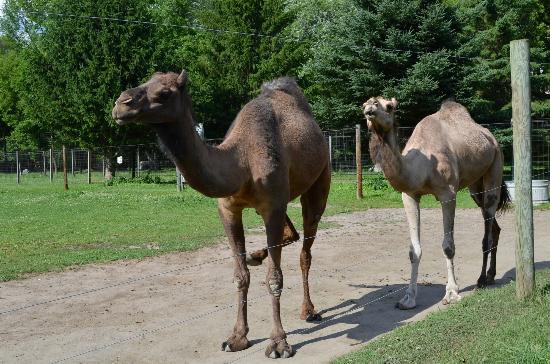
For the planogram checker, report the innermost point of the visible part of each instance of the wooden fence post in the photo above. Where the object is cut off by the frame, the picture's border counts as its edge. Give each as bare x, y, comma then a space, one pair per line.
65, 182
17, 167
51, 164
89, 167
521, 122
358, 163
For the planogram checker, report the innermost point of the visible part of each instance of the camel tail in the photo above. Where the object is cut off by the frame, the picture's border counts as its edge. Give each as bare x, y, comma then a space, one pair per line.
505, 200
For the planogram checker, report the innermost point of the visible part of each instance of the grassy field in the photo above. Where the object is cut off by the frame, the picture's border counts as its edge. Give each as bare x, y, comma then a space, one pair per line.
44, 228
490, 326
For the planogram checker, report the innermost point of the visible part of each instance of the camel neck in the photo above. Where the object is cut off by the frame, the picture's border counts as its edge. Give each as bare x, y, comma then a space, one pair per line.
385, 152
210, 170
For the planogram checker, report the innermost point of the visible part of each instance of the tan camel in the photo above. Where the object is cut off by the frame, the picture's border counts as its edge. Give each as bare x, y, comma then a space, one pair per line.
273, 153
446, 152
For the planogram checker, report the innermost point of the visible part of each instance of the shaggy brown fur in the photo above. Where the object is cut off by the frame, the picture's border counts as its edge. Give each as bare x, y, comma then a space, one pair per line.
446, 152
273, 153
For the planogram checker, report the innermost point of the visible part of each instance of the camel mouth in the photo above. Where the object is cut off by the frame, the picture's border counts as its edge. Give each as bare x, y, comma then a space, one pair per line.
125, 118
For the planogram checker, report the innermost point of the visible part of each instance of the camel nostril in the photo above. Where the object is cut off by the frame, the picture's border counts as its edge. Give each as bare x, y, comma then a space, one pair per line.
127, 101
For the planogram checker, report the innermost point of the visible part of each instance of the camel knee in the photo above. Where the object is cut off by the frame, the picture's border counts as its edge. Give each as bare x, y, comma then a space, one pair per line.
415, 253
275, 283
449, 248
242, 279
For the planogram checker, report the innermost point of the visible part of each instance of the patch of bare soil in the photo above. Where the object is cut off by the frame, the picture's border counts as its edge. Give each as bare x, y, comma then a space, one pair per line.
360, 269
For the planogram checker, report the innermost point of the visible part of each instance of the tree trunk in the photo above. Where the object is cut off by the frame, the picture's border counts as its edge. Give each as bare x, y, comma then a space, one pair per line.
110, 167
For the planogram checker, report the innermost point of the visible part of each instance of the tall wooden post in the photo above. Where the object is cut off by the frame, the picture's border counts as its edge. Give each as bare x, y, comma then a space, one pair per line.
65, 182
51, 164
89, 167
359, 165
17, 167
521, 122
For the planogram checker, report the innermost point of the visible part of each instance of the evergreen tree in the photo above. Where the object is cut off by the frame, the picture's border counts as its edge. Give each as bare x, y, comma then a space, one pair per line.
488, 28
73, 67
401, 49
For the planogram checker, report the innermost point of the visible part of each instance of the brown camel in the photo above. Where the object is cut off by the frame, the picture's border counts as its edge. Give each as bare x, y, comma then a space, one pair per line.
273, 153
446, 152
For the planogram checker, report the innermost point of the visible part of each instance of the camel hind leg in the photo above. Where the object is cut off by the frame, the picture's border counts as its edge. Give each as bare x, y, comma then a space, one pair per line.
313, 205
485, 193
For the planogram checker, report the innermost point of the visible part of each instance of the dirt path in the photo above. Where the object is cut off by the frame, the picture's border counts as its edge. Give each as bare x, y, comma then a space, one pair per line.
357, 269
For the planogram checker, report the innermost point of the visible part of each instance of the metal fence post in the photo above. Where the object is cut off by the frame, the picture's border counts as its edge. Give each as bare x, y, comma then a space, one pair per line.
72, 162
358, 163
44, 162
179, 181
330, 150
51, 164
89, 167
521, 122
138, 162
17, 167
65, 182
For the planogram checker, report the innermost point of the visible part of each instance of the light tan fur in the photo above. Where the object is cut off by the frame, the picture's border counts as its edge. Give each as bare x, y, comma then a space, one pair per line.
446, 152
273, 153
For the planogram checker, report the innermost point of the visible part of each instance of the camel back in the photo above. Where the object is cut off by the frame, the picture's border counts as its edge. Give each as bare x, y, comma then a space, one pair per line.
289, 86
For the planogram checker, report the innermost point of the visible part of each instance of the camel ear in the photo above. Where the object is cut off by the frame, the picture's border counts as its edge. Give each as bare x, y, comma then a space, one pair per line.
394, 103
182, 79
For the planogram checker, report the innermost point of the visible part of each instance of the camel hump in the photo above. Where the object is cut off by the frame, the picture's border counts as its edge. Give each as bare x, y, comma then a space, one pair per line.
452, 110
289, 86
285, 84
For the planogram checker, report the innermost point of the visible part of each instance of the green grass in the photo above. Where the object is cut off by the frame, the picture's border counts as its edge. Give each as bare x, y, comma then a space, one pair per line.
44, 228
490, 326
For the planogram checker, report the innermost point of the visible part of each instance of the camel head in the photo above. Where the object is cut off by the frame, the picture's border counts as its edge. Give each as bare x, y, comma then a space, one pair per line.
157, 101
380, 114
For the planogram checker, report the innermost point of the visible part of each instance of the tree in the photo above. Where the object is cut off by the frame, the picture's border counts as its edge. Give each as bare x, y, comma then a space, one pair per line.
74, 67
488, 28
401, 49
236, 46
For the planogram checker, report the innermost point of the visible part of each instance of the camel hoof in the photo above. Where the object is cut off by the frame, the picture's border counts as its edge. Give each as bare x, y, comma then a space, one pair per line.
451, 297
279, 349
251, 261
313, 317
403, 306
482, 282
235, 343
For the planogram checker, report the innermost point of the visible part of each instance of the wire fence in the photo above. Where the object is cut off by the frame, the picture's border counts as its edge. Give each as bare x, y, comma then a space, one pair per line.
147, 163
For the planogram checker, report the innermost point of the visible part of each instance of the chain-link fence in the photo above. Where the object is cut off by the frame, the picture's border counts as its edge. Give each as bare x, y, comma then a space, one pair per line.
146, 162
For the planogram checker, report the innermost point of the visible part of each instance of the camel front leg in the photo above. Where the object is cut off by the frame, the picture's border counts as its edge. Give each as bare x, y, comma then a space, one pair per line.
412, 209
448, 207
274, 222
232, 221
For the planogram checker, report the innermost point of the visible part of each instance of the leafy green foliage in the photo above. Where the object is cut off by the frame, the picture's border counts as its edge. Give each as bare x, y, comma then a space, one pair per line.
72, 68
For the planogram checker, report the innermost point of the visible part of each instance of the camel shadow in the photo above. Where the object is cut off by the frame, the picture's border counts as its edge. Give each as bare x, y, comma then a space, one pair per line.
372, 314
508, 277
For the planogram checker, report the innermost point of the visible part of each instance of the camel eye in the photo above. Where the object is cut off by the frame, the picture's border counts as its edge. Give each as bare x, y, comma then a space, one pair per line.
165, 94
389, 108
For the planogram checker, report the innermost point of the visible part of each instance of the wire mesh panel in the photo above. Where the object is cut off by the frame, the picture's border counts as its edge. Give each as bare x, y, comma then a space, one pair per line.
146, 162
